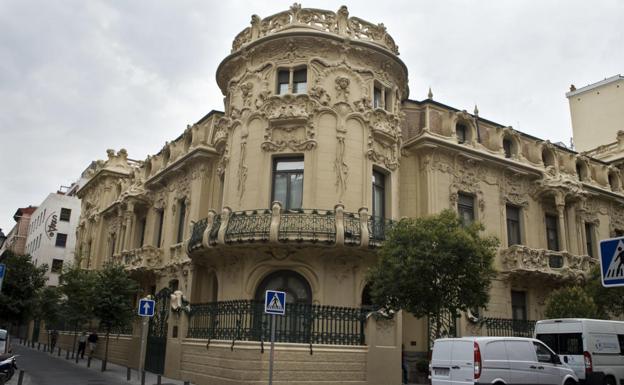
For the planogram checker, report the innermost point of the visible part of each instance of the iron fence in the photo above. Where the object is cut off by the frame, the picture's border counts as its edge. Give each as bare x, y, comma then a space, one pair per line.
303, 323
254, 225
352, 229
308, 224
377, 229
197, 234
506, 327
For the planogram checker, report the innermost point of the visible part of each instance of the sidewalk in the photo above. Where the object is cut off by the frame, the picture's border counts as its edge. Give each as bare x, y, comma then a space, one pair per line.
113, 372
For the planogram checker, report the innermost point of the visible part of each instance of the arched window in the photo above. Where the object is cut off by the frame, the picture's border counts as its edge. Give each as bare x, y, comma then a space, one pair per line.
294, 284
614, 181
508, 147
461, 131
367, 299
547, 157
581, 170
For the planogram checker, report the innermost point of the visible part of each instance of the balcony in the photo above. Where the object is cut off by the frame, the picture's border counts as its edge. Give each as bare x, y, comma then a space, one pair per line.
140, 258
520, 260
296, 226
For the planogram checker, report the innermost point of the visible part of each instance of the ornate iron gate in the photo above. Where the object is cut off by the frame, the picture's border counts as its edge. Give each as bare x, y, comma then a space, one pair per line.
157, 334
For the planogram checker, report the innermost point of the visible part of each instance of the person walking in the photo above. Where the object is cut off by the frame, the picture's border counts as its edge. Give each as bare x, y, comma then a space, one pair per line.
53, 339
82, 344
92, 340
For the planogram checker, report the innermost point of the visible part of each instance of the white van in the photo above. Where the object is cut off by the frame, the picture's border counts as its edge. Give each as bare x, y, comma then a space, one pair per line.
593, 348
496, 360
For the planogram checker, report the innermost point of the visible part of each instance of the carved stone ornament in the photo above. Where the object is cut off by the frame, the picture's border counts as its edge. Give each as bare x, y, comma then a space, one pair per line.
514, 190
342, 87
384, 138
522, 260
289, 123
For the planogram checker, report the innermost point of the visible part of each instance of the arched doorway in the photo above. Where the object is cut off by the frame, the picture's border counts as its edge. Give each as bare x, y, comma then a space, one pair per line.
295, 326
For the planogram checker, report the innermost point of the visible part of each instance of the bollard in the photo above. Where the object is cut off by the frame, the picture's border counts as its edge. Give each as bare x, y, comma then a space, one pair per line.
20, 379
103, 365
89, 362
59, 351
67, 355
38, 345
158, 380
187, 382
128, 374
143, 377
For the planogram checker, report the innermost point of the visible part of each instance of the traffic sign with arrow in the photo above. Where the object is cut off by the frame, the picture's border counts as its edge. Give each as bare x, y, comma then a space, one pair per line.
146, 307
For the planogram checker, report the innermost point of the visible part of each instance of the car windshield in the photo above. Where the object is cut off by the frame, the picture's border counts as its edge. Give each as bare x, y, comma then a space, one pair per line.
3, 335
563, 343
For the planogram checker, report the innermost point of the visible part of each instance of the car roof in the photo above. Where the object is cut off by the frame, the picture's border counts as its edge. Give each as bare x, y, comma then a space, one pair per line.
486, 339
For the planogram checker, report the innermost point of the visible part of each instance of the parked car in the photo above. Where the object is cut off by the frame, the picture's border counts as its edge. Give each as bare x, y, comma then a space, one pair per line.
497, 360
4, 342
594, 349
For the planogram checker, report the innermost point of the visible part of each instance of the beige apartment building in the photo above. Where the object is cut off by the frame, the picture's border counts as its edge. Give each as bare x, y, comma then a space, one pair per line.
318, 150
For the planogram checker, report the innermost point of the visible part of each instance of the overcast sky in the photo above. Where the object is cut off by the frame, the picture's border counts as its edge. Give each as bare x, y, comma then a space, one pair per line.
78, 77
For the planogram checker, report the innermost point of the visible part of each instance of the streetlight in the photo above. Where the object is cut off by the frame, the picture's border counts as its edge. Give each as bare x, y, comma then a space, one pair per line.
2, 238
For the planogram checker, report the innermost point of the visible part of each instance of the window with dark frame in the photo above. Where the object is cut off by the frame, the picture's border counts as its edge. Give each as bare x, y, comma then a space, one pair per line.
61, 240
513, 225
65, 215
461, 133
518, 305
57, 266
161, 219
181, 219
465, 208
589, 238
379, 195
552, 233
288, 182
377, 97
283, 80
300, 81
142, 226
292, 81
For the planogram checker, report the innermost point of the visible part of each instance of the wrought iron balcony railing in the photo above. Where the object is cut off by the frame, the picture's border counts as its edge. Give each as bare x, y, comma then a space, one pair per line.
245, 320
505, 327
520, 259
295, 225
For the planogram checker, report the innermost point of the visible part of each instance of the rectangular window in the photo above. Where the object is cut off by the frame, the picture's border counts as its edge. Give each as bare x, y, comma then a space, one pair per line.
142, 226
181, 219
552, 234
461, 133
379, 195
65, 215
300, 81
283, 79
288, 182
465, 208
61, 239
377, 97
161, 219
513, 225
589, 238
57, 266
518, 305
388, 100
112, 245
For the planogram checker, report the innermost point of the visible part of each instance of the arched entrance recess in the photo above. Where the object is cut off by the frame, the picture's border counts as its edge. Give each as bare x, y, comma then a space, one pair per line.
295, 326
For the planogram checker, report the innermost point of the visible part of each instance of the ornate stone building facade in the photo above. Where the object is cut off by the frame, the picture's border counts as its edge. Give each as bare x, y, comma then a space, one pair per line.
293, 187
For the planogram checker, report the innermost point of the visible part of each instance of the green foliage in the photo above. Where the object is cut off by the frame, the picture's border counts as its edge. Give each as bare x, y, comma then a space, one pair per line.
48, 306
115, 292
609, 300
433, 265
19, 291
571, 302
77, 287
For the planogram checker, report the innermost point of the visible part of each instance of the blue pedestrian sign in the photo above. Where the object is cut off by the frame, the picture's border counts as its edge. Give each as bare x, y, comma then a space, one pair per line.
275, 302
146, 307
2, 270
612, 262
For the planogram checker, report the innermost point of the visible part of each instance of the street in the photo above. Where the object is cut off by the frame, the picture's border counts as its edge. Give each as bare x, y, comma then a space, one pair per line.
46, 369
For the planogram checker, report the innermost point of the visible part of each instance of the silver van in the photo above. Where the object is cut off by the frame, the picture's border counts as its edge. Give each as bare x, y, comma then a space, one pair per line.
497, 360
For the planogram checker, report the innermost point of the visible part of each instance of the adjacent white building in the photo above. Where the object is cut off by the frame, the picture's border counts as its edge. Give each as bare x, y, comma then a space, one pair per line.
51, 236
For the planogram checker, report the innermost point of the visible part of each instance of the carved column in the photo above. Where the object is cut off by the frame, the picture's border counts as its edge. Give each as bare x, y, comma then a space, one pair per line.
129, 214
560, 203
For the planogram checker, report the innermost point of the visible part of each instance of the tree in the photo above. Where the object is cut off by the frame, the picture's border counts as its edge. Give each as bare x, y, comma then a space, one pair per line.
77, 287
19, 291
609, 300
571, 302
115, 292
433, 266
48, 306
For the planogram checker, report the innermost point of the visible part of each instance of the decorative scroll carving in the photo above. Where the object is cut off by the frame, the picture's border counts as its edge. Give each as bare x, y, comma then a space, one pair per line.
384, 138
520, 259
316, 19
290, 123
514, 190
342, 87
242, 168
341, 168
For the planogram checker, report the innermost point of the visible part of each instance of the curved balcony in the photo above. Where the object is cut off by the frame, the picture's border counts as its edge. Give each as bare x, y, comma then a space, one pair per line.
312, 226
297, 18
561, 265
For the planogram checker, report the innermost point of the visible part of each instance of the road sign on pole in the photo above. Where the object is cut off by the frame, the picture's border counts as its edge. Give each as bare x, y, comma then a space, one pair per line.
146, 307
612, 262
2, 273
274, 304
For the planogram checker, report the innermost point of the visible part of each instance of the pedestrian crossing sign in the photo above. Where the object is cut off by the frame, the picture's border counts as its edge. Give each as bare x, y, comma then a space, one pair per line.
275, 302
612, 262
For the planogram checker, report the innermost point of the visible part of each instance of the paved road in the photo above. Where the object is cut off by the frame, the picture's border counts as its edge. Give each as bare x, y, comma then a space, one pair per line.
45, 369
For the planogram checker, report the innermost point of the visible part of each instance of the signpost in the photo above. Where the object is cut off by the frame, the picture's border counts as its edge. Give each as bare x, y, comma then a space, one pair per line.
2, 273
146, 310
612, 262
274, 304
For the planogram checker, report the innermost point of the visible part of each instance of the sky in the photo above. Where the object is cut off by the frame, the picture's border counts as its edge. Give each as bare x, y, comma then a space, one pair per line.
78, 77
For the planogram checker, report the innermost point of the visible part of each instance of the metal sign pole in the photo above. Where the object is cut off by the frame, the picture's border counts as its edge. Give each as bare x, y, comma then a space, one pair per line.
271, 355
144, 327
